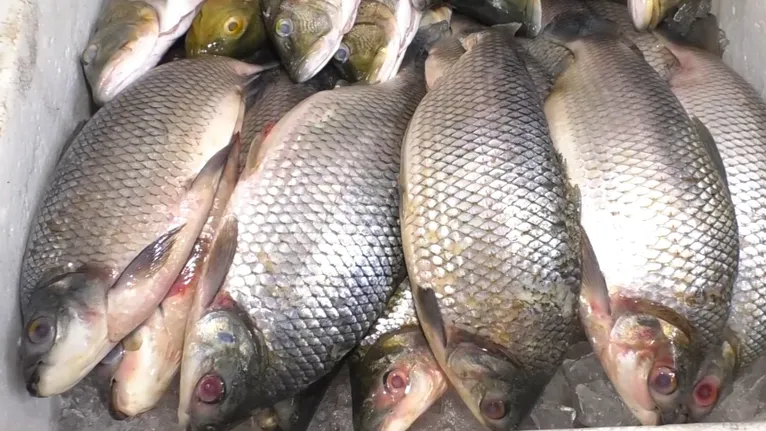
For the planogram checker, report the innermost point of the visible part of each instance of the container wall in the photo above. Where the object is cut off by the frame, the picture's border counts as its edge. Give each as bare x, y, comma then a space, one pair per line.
744, 22
42, 97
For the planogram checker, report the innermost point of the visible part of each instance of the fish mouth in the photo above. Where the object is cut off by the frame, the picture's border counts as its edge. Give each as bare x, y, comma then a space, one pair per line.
317, 57
642, 13
428, 384
629, 374
123, 68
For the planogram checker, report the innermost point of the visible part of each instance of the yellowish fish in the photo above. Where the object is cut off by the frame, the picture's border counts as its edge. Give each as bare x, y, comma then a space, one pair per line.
232, 28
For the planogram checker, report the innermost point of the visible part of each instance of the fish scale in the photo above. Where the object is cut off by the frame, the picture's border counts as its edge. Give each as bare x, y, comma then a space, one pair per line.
489, 222
116, 187
319, 243
704, 84
645, 178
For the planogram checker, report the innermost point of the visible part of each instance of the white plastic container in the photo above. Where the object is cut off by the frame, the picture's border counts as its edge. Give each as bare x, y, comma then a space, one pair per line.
43, 96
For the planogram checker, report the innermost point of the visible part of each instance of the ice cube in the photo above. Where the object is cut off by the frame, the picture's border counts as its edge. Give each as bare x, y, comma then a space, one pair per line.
584, 370
551, 416
599, 406
335, 411
447, 414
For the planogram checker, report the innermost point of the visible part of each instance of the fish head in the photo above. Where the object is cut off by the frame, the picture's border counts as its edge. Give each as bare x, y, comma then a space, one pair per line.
219, 29
304, 33
395, 381
713, 382
362, 54
217, 371
120, 47
64, 334
491, 383
652, 365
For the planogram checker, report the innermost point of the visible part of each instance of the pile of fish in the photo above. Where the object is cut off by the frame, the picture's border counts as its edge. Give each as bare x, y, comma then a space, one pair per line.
443, 196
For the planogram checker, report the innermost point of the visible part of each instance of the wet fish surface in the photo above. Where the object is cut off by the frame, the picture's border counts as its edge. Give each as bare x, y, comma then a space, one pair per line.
658, 214
490, 231
735, 114
124, 207
318, 251
233, 28
130, 37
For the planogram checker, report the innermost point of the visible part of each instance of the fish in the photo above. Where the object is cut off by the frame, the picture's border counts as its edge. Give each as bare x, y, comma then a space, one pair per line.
490, 231
373, 50
647, 14
119, 218
152, 352
314, 224
394, 375
130, 37
307, 34
654, 52
232, 28
490, 12
735, 114
657, 215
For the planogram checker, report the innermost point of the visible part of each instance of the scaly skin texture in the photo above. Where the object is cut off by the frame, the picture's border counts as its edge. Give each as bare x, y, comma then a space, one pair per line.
117, 187
735, 114
658, 216
489, 223
319, 248
655, 53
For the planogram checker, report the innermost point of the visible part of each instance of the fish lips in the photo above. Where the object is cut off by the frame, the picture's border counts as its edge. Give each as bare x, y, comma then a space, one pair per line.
316, 58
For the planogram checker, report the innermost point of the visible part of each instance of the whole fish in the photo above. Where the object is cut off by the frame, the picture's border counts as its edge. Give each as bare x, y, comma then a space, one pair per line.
233, 28
735, 114
372, 51
314, 223
307, 34
152, 353
394, 375
647, 14
130, 37
490, 231
120, 217
659, 217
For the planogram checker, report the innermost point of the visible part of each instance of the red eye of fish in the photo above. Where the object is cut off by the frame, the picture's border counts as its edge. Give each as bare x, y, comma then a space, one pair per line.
663, 380
210, 389
395, 381
493, 409
706, 392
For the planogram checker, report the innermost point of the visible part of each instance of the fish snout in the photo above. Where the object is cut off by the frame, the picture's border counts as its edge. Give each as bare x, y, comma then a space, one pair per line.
33, 380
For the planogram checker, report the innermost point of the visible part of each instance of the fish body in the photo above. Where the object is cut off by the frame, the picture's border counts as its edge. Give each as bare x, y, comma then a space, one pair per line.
121, 214
735, 114
490, 231
373, 50
233, 28
447, 51
307, 34
394, 375
658, 215
318, 252
130, 37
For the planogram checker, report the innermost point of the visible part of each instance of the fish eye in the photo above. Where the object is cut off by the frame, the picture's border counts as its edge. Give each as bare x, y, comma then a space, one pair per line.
395, 381
40, 330
284, 27
663, 380
493, 409
343, 53
211, 389
706, 392
233, 25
